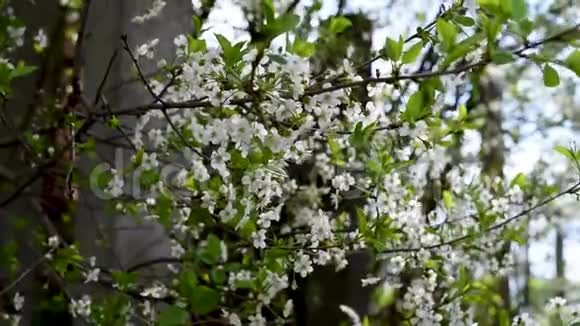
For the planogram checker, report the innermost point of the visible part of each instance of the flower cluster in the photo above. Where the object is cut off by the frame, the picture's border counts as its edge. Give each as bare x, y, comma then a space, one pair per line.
242, 170
261, 169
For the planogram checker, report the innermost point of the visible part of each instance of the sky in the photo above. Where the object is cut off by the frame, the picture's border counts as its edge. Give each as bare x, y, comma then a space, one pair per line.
402, 19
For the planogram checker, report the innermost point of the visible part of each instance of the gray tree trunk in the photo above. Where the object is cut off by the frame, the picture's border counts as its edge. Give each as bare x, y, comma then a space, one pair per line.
126, 243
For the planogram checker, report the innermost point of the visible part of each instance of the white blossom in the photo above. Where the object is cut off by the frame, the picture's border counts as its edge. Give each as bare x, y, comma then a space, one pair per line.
18, 301
352, 315
152, 12
81, 307
41, 39
303, 264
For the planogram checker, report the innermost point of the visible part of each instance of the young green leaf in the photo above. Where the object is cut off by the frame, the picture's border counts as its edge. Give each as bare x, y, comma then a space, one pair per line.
494, 6
412, 53
502, 57
393, 49
187, 283
196, 45
21, 69
519, 9
506, 7
268, 10
462, 48
212, 253
339, 24
519, 180
464, 20
447, 33
303, 48
232, 54
566, 152
224, 42
573, 62
448, 199
463, 112
414, 107
197, 26
281, 25
551, 78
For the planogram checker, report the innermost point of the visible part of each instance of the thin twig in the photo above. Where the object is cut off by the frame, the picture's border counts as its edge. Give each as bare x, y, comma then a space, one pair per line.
105, 77
430, 74
571, 190
203, 103
24, 274
20, 189
158, 98
118, 127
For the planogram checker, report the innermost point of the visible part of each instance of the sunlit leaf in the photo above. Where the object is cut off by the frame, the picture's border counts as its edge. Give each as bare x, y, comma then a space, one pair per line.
447, 33
339, 24
551, 78
573, 62
412, 53
393, 48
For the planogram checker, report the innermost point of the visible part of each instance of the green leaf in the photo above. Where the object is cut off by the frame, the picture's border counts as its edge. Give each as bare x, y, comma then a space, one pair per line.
492, 28
393, 49
566, 152
448, 199
212, 252
196, 45
21, 69
366, 321
462, 48
519, 180
412, 53
506, 7
283, 24
463, 112
447, 33
124, 280
223, 41
339, 24
187, 283
464, 20
218, 276
114, 122
504, 318
551, 78
268, 10
502, 57
335, 151
493, 6
362, 220
231, 54
204, 300
519, 9
173, 316
197, 26
303, 48
245, 284
573, 62
414, 107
